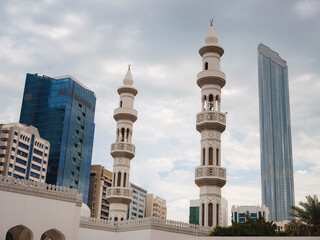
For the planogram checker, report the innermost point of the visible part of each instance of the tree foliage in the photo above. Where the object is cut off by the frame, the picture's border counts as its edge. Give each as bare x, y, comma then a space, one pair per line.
306, 218
258, 227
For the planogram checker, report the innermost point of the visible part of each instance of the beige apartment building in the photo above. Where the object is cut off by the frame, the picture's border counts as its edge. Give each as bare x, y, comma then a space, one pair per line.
100, 180
23, 153
156, 207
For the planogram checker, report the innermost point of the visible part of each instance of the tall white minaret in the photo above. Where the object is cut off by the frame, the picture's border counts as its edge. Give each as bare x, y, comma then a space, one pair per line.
211, 122
119, 195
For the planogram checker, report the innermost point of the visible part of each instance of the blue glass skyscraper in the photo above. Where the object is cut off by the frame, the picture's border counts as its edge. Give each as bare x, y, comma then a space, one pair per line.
275, 134
63, 111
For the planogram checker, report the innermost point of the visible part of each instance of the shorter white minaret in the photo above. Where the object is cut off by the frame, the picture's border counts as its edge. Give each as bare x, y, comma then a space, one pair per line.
119, 195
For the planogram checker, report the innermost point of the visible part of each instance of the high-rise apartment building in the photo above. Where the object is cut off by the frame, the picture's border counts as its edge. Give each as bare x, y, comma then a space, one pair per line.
100, 180
137, 208
63, 110
275, 134
156, 207
23, 153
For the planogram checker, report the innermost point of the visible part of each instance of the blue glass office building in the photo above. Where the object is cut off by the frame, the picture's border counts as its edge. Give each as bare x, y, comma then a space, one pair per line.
63, 111
275, 134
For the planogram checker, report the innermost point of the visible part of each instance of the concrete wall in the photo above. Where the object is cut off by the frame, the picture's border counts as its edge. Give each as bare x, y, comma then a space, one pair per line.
38, 214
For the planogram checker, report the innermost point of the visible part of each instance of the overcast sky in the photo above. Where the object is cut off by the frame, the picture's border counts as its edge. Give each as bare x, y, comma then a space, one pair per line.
95, 40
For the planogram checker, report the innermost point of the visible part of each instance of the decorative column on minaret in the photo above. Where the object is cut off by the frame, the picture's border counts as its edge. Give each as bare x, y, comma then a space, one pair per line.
119, 195
211, 122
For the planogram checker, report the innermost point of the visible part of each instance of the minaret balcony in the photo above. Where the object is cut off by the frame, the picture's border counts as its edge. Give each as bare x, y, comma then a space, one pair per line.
210, 175
119, 195
125, 114
211, 120
122, 149
211, 77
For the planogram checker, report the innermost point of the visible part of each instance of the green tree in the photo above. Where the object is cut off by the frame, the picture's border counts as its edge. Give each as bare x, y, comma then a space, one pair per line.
251, 227
306, 218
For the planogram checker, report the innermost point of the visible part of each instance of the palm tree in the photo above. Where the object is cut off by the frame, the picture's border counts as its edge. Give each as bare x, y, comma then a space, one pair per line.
307, 216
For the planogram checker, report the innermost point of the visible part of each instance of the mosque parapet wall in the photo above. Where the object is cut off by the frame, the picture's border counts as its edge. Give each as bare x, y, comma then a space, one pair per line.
145, 223
44, 190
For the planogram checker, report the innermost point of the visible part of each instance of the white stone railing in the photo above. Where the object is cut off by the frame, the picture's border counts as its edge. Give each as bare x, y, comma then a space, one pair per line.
145, 223
45, 190
204, 171
211, 116
119, 191
123, 146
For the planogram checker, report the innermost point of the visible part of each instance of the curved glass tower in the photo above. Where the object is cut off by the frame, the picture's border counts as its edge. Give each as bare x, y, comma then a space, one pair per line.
275, 134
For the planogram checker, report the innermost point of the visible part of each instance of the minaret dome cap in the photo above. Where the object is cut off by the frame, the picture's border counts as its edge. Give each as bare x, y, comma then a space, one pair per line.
128, 80
211, 36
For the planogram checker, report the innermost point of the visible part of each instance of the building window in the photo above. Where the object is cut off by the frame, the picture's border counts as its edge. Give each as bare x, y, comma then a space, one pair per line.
15, 133
11, 165
14, 141
124, 179
18, 160
37, 152
35, 167
13, 149
119, 179
217, 156
12, 157
23, 145
19, 169
210, 214
37, 160
36, 175
206, 66
22, 153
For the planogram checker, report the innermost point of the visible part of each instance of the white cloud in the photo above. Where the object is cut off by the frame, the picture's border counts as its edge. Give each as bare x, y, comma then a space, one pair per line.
307, 8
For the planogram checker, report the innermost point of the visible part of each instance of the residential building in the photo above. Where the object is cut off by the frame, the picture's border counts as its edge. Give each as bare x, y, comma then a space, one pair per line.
156, 207
100, 181
210, 176
119, 195
238, 213
137, 208
23, 153
195, 208
63, 110
277, 184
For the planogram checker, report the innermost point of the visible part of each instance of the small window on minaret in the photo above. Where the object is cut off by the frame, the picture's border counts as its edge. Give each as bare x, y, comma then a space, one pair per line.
120, 103
119, 179
124, 179
122, 134
206, 65
217, 156
203, 156
210, 156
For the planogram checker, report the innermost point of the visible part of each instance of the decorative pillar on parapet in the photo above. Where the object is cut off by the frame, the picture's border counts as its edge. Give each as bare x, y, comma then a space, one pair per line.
210, 177
119, 195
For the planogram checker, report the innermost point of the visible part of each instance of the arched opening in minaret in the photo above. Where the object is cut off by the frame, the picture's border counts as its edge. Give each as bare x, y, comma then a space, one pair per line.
217, 156
218, 102
217, 220
114, 179
119, 179
210, 214
127, 135
120, 103
116, 219
211, 103
206, 66
122, 134
124, 179
117, 134
203, 156
204, 103
210, 156
202, 214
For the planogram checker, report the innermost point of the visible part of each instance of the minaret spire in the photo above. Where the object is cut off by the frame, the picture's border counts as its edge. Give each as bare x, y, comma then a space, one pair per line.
119, 195
211, 122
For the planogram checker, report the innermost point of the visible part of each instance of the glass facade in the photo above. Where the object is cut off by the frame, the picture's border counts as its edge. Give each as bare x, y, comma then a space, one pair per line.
275, 135
63, 111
